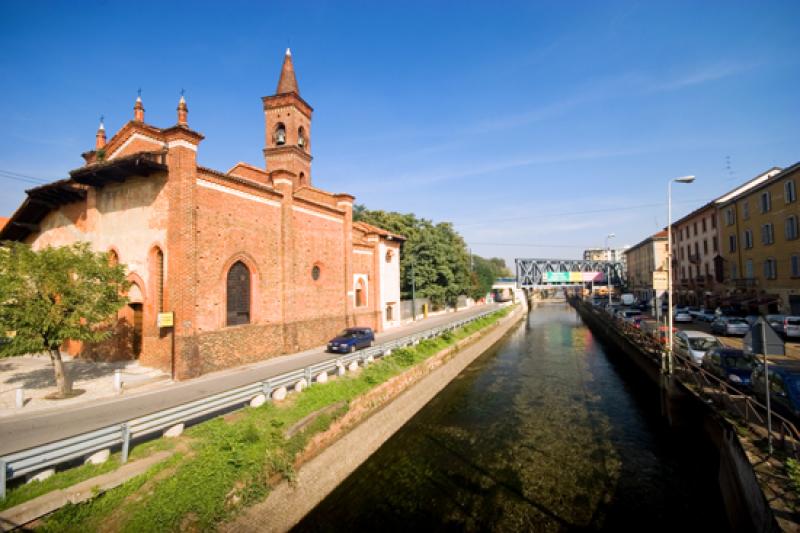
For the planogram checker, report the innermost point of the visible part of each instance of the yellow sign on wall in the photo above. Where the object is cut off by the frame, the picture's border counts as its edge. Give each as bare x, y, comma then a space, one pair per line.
166, 320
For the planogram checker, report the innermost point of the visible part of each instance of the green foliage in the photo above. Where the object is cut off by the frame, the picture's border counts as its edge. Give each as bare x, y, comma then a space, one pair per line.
439, 255
485, 272
55, 294
793, 471
231, 462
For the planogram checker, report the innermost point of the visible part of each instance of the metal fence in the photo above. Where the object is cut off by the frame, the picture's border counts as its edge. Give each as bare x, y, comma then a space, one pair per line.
73, 448
739, 403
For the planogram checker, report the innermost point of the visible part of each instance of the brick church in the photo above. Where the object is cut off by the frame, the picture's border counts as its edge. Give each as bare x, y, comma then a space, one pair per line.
254, 261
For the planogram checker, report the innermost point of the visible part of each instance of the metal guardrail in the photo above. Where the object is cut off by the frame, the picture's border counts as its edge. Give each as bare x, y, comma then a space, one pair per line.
45, 456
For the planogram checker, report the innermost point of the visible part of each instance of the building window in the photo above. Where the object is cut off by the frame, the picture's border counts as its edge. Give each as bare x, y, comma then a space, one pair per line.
159, 280
715, 243
745, 209
279, 137
748, 269
766, 202
747, 237
695, 228
389, 255
696, 251
315, 271
790, 228
730, 216
770, 269
361, 293
238, 297
734, 272
389, 313
704, 224
732, 243
713, 220
767, 234
683, 272
301, 138
789, 191
795, 259
113, 258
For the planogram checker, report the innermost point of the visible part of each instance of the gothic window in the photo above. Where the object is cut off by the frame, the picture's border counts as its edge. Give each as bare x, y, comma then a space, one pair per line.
280, 134
238, 294
159, 272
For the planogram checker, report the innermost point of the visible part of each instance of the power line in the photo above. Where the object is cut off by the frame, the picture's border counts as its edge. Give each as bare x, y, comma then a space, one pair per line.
572, 213
8, 174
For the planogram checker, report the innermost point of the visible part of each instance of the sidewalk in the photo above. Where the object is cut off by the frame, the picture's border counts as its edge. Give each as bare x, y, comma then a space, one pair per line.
31, 428
34, 375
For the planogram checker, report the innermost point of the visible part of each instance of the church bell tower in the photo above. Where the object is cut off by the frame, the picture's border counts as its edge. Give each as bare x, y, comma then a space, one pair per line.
288, 129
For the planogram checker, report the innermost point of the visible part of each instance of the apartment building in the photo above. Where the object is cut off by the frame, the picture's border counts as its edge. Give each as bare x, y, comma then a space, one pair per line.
643, 259
760, 248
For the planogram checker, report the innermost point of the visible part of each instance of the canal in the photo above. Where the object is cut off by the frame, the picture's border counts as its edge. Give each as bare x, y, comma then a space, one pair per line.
548, 431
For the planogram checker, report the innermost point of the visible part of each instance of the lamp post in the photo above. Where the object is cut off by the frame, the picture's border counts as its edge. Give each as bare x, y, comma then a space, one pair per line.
608, 269
685, 179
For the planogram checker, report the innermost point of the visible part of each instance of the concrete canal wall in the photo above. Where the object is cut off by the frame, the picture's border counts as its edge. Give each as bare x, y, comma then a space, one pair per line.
745, 504
288, 503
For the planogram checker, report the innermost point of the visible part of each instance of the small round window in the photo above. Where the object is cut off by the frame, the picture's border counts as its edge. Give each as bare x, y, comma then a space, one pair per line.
315, 273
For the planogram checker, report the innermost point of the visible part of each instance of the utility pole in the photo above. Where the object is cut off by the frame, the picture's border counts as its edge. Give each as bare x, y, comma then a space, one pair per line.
413, 292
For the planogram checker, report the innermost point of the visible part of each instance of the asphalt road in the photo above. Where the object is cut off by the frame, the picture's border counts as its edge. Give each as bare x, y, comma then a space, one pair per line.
25, 431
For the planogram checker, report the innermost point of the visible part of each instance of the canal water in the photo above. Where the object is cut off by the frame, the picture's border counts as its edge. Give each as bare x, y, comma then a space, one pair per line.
548, 431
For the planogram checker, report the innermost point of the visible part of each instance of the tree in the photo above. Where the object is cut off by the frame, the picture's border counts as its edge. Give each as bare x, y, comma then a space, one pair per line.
55, 294
485, 272
436, 251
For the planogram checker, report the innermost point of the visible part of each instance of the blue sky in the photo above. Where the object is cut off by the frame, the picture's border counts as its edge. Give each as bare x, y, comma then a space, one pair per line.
536, 127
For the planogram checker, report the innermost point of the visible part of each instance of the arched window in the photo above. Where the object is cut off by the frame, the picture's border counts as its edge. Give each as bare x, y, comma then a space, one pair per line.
113, 258
280, 134
303, 178
238, 286
361, 293
158, 258
301, 138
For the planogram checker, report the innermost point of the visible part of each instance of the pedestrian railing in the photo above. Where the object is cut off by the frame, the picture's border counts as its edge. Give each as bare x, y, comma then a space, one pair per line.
42, 457
721, 394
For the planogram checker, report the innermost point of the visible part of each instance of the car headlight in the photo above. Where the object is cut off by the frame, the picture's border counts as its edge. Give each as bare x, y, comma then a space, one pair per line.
734, 378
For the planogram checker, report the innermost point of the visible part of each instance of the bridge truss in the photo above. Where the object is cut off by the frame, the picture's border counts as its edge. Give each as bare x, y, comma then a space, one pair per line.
530, 272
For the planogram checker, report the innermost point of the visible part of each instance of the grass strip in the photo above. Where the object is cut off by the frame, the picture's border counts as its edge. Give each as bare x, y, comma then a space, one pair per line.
233, 461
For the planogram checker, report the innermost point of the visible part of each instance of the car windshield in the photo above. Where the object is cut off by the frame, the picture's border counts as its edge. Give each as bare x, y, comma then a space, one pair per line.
349, 334
793, 321
703, 343
739, 362
737, 321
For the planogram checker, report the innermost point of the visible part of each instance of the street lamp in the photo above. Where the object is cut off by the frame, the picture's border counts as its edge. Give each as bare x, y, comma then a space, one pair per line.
608, 269
684, 179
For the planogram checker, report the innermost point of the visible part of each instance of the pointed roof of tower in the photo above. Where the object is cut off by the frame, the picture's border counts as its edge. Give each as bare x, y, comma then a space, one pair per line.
287, 82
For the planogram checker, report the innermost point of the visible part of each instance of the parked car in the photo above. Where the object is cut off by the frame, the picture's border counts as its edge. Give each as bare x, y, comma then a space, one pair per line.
682, 315
791, 326
694, 344
706, 315
730, 325
784, 384
694, 311
730, 365
775, 322
627, 315
751, 319
351, 339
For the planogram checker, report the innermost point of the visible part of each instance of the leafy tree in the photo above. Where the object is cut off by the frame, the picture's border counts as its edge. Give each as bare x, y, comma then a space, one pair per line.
435, 254
55, 294
485, 272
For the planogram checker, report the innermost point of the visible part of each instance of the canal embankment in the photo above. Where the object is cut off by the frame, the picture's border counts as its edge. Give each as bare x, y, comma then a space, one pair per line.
757, 494
372, 419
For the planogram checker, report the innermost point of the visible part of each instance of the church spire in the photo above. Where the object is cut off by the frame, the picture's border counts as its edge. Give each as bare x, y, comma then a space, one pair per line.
287, 82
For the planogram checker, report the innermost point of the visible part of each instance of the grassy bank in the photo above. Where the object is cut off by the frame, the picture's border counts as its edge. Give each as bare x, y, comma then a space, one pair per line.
231, 462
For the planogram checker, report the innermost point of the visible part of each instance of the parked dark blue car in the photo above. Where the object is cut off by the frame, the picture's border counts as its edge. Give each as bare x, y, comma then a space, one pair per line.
730, 365
784, 385
351, 339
